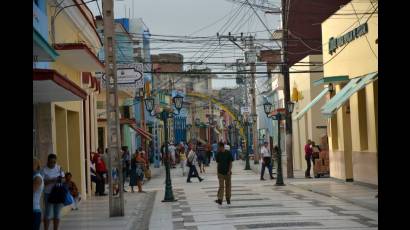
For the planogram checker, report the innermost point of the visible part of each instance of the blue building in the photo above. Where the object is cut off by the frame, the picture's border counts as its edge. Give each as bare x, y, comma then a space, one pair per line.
43, 52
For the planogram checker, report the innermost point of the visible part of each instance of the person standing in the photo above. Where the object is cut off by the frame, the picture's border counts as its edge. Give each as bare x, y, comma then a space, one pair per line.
201, 157
182, 159
126, 161
308, 157
171, 150
208, 150
192, 158
101, 170
52, 174
224, 160
214, 150
266, 161
38, 187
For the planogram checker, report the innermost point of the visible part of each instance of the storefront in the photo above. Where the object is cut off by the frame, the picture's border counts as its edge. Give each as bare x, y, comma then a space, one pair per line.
351, 51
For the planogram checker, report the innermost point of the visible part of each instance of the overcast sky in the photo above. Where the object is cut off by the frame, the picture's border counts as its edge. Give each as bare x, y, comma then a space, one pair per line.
184, 17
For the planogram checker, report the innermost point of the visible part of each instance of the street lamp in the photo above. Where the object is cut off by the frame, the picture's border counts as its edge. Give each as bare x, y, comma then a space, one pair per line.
267, 107
164, 116
246, 124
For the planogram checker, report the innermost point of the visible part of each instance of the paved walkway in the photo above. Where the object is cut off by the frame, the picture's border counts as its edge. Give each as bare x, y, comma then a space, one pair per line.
361, 195
93, 213
255, 205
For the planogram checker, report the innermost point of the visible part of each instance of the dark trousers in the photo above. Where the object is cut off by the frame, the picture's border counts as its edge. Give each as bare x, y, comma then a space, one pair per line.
192, 173
36, 220
266, 163
100, 184
309, 165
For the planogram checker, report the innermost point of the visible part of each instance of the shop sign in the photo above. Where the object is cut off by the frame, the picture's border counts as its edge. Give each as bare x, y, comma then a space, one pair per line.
335, 43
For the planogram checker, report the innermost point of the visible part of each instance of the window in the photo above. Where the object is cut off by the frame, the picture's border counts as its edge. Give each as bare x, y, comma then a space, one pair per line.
100, 104
101, 137
362, 119
334, 134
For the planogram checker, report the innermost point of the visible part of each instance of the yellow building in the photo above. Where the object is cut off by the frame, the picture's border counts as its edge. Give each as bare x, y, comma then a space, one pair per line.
350, 50
65, 93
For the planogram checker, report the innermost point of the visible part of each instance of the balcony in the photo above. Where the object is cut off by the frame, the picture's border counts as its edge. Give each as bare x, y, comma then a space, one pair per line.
40, 21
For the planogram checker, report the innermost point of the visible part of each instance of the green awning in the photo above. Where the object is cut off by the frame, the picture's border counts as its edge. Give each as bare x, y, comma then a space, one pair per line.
332, 79
351, 88
311, 104
42, 49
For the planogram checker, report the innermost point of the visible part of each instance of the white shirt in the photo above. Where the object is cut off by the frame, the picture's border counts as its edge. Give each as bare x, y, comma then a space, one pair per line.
192, 157
227, 147
171, 149
49, 174
265, 152
37, 194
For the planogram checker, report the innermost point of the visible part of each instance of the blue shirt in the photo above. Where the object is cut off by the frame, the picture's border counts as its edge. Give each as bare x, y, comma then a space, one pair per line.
215, 147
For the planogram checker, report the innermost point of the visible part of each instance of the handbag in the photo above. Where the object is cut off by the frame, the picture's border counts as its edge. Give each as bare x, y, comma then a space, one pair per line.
69, 199
148, 173
58, 192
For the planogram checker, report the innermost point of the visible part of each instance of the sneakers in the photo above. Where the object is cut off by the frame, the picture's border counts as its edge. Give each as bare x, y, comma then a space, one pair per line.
201, 179
228, 201
218, 202
262, 178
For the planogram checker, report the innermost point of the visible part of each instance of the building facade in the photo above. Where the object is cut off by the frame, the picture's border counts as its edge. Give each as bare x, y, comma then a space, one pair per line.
65, 87
308, 122
352, 111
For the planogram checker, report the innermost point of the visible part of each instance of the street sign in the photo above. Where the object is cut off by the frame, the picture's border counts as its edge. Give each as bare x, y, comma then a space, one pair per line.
245, 110
129, 76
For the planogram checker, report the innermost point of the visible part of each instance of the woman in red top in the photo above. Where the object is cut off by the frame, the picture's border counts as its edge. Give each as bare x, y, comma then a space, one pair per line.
308, 157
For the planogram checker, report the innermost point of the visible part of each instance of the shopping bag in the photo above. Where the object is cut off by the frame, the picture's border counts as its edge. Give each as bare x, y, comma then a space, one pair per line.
69, 199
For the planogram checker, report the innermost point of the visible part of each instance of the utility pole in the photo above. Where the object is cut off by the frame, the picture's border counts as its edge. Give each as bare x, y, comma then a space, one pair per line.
254, 115
285, 70
115, 176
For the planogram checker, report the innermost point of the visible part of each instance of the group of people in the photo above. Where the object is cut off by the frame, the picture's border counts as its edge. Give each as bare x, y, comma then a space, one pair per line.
311, 154
46, 181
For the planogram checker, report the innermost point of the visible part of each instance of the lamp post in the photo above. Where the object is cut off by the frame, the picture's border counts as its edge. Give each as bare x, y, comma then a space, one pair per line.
247, 164
267, 106
164, 115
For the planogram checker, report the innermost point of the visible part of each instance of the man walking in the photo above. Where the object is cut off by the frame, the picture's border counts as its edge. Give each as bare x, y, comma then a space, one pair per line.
224, 160
308, 156
267, 158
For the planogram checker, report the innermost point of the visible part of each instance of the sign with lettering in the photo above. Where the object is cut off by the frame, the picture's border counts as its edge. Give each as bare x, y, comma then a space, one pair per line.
335, 43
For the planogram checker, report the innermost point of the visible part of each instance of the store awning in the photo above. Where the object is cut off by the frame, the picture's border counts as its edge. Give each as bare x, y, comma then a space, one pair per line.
141, 132
332, 79
49, 86
79, 57
351, 88
42, 51
311, 104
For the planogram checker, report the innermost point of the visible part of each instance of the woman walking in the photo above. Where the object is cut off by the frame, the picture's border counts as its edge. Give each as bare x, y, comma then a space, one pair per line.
138, 165
191, 164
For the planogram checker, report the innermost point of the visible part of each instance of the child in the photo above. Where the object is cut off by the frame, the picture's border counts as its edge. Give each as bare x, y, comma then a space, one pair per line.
72, 187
